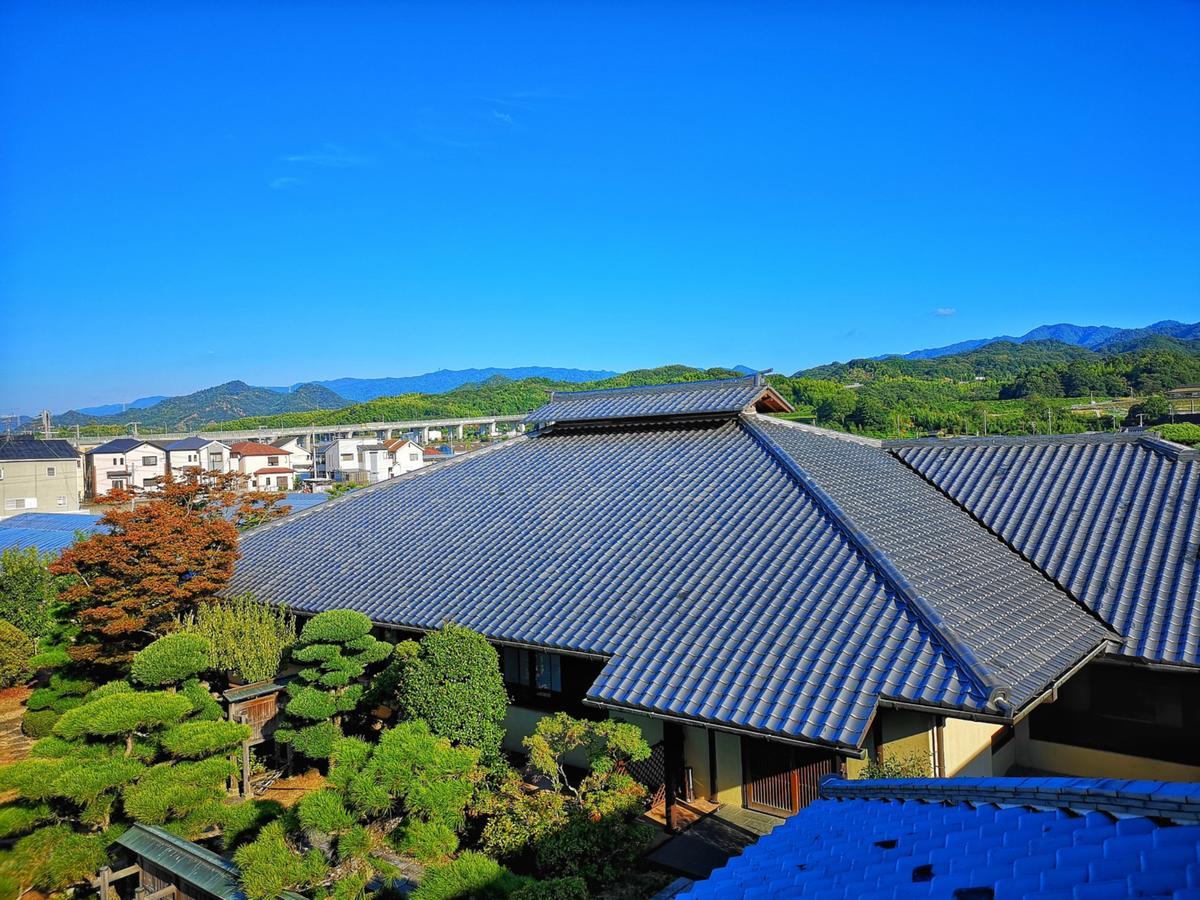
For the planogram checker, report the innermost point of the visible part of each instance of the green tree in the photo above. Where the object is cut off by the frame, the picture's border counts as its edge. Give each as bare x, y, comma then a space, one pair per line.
28, 592
123, 715
16, 650
453, 682
336, 649
171, 660
247, 639
1153, 409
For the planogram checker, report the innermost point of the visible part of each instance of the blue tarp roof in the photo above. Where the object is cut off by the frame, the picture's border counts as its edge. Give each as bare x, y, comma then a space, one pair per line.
881, 849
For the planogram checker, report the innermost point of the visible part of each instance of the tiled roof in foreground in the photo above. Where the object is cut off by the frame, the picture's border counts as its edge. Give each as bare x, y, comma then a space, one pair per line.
726, 395
48, 532
720, 583
872, 845
1113, 518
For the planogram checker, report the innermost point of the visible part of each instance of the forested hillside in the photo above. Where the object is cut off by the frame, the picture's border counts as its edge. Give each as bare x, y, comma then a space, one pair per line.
494, 397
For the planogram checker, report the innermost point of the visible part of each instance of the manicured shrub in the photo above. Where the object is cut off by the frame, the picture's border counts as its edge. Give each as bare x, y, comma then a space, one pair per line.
16, 650
39, 723
600, 850
430, 842
203, 704
106, 690
336, 648
470, 875
120, 715
324, 813
454, 683
247, 639
174, 791
20, 818
270, 865
192, 740
33, 778
56, 858
240, 822
170, 660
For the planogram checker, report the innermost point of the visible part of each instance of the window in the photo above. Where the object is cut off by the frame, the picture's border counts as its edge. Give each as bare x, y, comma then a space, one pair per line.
272, 460
413, 457
1, 474
62, 501
118, 484
49, 471
116, 460
20, 503
149, 460
533, 669
347, 457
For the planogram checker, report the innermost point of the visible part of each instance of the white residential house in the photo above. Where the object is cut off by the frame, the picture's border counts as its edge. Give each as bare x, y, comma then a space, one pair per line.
301, 456
266, 467
39, 475
339, 459
125, 463
406, 456
374, 462
198, 453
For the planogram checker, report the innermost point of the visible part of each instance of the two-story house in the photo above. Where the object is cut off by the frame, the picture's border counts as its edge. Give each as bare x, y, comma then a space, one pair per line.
200, 453
37, 474
125, 463
338, 460
406, 456
266, 467
300, 455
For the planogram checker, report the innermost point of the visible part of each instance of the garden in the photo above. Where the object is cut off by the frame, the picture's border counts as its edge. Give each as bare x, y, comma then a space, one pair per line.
408, 789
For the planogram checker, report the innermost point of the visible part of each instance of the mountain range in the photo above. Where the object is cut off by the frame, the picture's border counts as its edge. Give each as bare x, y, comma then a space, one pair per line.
359, 389
1090, 337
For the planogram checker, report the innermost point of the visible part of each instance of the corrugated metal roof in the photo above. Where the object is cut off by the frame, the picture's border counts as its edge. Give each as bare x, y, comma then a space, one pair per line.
48, 532
191, 862
33, 448
727, 395
911, 848
1113, 518
721, 590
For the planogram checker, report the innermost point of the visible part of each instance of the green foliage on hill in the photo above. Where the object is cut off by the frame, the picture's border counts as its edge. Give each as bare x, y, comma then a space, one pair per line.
494, 397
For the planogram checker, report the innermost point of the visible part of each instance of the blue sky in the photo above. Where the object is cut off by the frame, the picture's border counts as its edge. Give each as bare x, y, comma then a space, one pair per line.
197, 191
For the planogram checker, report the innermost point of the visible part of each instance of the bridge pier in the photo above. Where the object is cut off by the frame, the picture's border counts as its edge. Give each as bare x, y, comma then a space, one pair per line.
458, 432
424, 435
492, 430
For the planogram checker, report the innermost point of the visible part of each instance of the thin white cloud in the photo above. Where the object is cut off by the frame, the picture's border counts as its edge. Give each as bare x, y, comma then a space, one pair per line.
329, 156
944, 311
500, 116
285, 184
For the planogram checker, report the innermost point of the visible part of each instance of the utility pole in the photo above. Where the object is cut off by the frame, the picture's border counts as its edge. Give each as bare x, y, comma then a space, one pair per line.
135, 425
46, 424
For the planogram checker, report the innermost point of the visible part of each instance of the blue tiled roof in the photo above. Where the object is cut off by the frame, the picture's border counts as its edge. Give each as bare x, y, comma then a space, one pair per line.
33, 448
190, 443
721, 582
727, 395
48, 532
124, 445
855, 849
302, 501
1114, 518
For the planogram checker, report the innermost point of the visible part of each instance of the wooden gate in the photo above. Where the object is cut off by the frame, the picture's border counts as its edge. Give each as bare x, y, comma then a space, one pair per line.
780, 779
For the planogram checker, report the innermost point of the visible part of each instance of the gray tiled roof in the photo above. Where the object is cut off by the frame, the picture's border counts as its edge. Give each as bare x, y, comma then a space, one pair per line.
726, 395
1014, 626
190, 443
718, 580
124, 445
1113, 518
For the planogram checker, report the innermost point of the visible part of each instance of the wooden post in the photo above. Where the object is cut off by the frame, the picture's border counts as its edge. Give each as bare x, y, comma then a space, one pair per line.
140, 893
246, 762
672, 770
712, 766
105, 879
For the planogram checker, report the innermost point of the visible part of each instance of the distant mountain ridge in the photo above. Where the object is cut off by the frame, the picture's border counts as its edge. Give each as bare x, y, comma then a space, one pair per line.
444, 380
1090, 337
231, 400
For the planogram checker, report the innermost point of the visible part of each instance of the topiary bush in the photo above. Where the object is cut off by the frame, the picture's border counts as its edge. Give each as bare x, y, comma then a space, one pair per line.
39, 723
453, 682
336, 648
247, 639
471, 875
270, 865
16, 651
430, 842
196, 739
171, 660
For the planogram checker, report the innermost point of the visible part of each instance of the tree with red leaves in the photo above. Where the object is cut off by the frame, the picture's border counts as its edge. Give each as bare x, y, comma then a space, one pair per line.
155, 561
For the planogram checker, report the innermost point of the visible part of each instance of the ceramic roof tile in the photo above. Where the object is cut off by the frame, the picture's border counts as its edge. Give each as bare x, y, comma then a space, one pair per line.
1115, 519
727, 395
